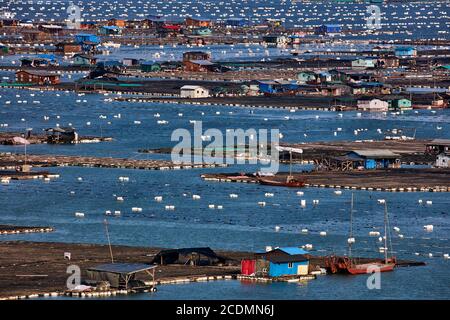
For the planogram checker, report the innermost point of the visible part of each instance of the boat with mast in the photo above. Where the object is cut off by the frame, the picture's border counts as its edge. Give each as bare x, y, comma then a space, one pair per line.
290, 180
351, 265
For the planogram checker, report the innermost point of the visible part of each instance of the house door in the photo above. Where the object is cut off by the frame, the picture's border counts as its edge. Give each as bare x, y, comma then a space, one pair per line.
302, 270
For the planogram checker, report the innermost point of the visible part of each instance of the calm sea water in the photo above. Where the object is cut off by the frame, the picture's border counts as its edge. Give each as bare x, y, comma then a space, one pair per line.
241, 224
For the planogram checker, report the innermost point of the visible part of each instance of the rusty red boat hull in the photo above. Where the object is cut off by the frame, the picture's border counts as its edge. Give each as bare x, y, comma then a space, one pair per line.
290, 184
370, 268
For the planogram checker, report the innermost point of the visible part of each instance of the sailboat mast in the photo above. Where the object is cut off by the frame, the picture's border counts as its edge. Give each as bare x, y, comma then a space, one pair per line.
385, 234
290, 163
351, 229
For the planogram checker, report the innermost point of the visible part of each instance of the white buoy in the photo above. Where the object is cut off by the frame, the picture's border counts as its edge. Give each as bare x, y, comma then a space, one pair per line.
430, 255
351, 240
80, 179
315, 202
420, 201
277, 228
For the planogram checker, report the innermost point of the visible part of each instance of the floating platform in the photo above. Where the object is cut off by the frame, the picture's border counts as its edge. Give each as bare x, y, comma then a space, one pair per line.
391, 180
11, 161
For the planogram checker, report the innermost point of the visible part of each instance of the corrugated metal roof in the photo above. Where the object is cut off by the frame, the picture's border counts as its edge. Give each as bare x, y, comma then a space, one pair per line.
376, 153
203, 62
293, 250
41, 73
191, 87
122, 267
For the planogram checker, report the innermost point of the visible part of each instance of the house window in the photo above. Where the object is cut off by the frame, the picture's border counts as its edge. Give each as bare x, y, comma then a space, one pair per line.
290, 265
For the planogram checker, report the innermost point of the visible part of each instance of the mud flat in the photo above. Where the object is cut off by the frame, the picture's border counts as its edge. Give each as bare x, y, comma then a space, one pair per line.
395, 180
10, 161
33, 269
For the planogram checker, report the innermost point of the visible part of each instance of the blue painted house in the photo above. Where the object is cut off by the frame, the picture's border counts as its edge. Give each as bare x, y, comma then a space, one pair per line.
405, 52
283, 261
82, 38
109, 30
237, 22
328, 28
375, 158
277, 87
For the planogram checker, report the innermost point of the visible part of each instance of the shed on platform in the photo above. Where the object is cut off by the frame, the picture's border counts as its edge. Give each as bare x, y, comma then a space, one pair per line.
121, 275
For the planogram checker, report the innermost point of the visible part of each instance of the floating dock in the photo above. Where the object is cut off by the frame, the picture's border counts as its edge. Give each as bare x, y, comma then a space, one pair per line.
11, 161
391, 180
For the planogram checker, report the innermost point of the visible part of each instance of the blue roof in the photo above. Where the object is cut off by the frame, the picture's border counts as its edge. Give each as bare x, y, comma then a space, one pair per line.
199, 18
293, 250
85, 35
47, 56
404, 48
111, 27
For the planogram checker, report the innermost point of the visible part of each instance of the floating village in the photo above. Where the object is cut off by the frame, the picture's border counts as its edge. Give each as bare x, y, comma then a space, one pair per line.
92, 93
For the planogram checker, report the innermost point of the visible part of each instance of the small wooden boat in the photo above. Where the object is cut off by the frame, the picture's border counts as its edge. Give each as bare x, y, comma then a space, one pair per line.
290, 182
